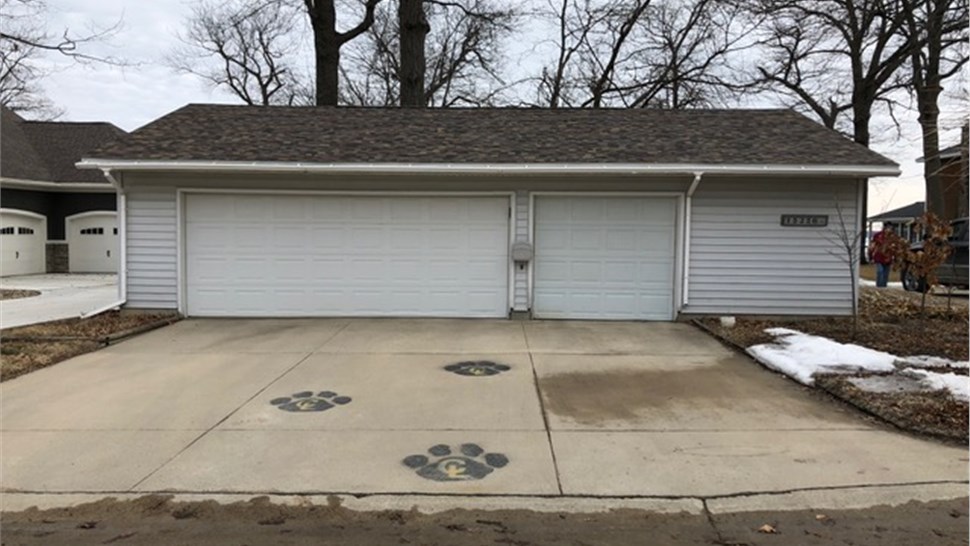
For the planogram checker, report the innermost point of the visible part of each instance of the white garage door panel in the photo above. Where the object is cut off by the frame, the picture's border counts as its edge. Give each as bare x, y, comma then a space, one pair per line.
605, 257
22, 244
92, 243
260, 255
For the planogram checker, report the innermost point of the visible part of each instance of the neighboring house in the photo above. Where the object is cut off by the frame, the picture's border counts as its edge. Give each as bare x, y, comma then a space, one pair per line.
632, 214
901, 220
53, 217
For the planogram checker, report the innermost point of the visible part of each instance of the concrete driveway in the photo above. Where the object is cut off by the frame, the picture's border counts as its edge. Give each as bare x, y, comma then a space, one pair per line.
61, 296
576, 409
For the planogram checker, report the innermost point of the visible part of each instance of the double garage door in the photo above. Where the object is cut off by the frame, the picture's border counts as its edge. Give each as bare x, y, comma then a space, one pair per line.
441, 256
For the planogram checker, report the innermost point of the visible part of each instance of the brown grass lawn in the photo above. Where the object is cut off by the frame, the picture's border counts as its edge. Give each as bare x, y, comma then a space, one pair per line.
28, 348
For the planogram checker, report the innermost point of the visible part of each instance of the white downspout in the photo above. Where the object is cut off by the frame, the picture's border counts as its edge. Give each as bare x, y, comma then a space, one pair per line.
123, 248
685, 282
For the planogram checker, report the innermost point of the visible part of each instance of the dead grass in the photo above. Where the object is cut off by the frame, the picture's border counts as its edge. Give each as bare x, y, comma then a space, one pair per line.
47, 345
891, 321
10, 294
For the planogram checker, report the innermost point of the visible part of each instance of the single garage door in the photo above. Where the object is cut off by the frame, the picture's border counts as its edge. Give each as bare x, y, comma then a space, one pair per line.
304, 255
92, 242
22, 243
604, 257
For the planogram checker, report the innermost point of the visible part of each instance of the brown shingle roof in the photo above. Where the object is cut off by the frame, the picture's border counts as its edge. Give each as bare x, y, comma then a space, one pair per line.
488, 135
47, 150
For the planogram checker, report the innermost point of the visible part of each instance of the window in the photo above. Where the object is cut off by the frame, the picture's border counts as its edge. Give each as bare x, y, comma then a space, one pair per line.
7, 231
93, 231
25, 231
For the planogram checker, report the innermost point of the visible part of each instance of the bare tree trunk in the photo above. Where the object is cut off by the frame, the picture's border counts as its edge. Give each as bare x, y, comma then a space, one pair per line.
327, 42
929, 117
413, 23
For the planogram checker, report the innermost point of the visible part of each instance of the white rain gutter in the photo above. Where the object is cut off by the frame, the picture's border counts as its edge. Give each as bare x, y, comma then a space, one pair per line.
496, 168
83, 187
122, 244
688, 207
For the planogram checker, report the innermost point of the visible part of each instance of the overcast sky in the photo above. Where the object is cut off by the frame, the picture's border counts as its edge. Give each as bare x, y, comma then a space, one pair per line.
132, 96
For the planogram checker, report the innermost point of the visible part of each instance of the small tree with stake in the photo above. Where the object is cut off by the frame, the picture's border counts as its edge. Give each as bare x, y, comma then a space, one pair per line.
849, 241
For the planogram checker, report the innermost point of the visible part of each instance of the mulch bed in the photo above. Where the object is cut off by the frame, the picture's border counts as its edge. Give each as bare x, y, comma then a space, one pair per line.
28, 348
10, 294
892, 321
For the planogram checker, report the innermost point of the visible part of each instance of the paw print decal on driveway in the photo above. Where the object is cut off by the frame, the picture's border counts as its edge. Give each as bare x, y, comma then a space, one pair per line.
307, 401
471, 463
477, 368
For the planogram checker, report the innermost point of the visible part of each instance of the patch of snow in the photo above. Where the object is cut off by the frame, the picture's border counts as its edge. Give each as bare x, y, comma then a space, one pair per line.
889, 383
958, 385
924, 361
867, 282
801, 356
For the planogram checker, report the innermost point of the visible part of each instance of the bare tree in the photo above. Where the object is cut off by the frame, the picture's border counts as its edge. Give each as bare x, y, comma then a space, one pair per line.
244, 47
832, 57
939, 27
849, 242
413, 29
25, 39
462, 57
327, 42
642, 53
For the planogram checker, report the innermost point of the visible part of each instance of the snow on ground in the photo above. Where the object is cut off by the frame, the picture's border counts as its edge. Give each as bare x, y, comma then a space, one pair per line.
801, 356
923, 361
958, 385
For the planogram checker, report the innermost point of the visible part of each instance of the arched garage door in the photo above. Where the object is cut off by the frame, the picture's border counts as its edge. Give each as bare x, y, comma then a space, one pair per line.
22, 243
92, 242
330, 255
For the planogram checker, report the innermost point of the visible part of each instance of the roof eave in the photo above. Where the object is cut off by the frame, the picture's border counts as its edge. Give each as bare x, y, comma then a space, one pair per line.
494, 168
41, 185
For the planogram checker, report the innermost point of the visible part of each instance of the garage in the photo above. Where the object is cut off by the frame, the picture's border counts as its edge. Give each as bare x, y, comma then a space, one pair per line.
22, 240
346, 255
605, 257
92, 242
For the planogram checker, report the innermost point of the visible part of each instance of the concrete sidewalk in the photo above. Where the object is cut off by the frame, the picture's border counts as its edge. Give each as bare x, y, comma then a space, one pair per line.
61, 296
576, 409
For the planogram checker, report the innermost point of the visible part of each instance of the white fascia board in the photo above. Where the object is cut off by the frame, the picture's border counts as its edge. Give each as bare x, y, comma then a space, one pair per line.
493, 168
82, 187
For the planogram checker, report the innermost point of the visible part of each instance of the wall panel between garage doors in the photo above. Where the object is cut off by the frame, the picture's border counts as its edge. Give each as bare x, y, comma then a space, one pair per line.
329, 255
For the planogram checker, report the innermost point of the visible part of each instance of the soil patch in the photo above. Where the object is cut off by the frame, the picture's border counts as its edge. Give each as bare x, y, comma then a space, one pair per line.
934, 413
157, 520
28, 348
10, 294
892, 321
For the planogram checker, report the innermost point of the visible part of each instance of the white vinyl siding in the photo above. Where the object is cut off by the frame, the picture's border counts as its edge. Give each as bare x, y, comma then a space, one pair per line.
151, 250
742, 261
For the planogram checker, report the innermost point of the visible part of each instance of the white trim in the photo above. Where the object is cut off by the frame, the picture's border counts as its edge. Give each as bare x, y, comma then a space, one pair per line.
26, 213
122, 204
535, 168
678, 234
530, 274
511, 264
20, 183
688, 209
180, 249
80, 215
180, 230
